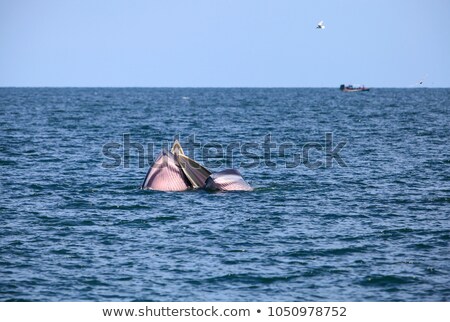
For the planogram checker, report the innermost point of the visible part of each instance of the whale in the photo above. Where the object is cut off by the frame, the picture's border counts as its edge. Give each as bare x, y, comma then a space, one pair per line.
227, 180
172, 170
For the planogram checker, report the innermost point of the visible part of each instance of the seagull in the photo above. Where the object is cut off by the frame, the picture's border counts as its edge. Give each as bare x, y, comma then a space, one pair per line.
422, 80
320, 25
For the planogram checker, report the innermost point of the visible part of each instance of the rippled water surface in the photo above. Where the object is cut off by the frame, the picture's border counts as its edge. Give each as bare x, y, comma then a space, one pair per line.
75, 228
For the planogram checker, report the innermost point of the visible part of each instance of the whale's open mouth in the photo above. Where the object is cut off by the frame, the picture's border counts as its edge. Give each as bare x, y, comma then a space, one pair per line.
175, 171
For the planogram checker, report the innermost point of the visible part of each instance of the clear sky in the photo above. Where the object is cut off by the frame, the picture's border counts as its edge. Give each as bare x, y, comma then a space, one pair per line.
224, 43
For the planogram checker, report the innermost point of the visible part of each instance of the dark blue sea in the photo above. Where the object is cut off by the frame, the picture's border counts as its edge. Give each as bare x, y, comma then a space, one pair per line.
351, 199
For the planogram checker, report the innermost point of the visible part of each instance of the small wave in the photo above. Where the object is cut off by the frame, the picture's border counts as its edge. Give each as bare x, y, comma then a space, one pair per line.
421, 246
343, 251
140, 223
18, 299
165, 218
93, 281
8, 163
327, 252
437, 200
252, 279
387, 280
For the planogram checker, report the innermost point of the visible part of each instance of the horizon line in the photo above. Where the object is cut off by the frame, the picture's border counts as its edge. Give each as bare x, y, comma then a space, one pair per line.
229, 87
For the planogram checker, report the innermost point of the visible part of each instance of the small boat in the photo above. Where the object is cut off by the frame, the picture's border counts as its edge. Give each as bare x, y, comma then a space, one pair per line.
350, 88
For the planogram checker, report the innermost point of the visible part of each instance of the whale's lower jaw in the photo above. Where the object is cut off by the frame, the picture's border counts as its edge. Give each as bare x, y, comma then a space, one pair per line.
227, 180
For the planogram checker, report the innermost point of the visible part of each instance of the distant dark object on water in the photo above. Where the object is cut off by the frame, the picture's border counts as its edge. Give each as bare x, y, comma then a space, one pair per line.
350, 88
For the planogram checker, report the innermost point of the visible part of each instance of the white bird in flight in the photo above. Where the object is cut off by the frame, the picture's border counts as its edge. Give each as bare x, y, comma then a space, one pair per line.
320, 25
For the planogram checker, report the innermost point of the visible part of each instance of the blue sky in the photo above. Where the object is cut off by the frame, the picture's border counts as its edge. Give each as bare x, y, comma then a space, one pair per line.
227, 43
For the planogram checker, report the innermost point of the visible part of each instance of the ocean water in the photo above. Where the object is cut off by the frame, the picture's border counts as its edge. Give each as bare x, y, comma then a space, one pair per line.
372, 226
